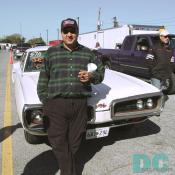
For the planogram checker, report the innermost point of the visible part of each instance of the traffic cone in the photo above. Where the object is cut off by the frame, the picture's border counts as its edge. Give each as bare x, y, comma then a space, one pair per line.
11, 57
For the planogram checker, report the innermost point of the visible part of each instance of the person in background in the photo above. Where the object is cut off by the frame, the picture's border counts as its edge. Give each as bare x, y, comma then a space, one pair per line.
159, 61
63, 87
97, 46
164, 38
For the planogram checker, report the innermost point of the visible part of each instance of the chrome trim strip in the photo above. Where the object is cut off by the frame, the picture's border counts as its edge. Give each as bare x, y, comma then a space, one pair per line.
134, 66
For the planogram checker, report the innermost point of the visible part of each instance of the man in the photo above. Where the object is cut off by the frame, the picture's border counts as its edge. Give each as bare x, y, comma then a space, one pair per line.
63, 87
159, 61
164, 38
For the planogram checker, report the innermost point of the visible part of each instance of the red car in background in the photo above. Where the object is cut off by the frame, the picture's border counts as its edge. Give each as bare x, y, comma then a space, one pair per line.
54, 42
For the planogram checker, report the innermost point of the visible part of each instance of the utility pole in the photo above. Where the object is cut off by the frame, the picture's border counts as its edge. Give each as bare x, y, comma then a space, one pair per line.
58, 33
99, 20
47, 35
21, 33
78, 20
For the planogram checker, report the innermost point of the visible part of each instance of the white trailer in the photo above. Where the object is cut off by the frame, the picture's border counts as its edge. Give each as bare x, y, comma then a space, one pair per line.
112, 37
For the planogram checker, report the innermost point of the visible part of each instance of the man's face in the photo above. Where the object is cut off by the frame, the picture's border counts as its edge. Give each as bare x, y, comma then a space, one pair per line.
164, 39
69, 36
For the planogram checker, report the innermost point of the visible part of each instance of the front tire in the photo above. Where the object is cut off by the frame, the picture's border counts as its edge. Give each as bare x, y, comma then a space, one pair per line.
171, 87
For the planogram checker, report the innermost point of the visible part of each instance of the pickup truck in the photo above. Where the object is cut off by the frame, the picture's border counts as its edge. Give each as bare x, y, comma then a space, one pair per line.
130, 58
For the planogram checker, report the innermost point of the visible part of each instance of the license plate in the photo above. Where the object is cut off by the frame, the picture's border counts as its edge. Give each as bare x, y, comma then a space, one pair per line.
97, 133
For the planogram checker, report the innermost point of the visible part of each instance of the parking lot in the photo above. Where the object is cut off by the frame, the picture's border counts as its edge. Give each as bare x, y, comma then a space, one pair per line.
117, 154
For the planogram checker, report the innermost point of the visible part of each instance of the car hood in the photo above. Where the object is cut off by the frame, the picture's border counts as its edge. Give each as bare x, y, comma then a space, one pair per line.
115, 85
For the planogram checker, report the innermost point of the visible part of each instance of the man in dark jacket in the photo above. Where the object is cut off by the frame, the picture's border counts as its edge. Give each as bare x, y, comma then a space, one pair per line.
64, 86
159, 61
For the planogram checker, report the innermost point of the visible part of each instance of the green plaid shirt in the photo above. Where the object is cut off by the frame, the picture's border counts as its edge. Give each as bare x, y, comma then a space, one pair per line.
59, 74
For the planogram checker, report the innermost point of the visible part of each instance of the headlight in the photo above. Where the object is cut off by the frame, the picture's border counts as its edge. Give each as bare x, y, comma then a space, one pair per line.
149, 103
36, 117
139, 104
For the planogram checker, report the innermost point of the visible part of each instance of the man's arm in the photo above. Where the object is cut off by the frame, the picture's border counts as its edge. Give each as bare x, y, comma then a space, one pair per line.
94, 77
151, 60
42, 86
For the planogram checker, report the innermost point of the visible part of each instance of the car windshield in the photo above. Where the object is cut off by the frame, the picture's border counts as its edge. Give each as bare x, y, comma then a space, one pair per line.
34, 61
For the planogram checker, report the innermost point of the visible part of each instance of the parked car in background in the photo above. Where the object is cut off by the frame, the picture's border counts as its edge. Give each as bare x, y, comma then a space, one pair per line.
20, 49
54, 42
39, 44
5, 46
131, 57
14, 48
119, 100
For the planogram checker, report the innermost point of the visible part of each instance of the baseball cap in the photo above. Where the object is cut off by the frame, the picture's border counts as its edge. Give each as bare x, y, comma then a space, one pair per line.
69, 23
163, 32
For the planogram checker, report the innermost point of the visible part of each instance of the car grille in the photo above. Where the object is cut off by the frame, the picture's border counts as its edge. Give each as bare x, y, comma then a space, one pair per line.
125, 108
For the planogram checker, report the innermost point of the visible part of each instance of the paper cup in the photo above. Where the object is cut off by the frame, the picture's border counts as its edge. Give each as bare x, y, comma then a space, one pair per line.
91, 67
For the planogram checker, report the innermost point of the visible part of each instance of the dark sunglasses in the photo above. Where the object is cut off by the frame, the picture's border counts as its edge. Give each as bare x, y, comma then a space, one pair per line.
165, 36
69, 30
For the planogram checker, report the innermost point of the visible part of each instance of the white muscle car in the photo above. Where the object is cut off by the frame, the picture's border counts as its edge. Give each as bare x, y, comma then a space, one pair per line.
119, 100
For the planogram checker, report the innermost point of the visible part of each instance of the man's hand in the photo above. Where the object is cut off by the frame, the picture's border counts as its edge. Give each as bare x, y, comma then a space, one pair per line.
84, 76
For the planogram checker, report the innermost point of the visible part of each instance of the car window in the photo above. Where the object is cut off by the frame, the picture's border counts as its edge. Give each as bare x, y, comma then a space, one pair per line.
155, 40
128, 43
142, 44
34, 61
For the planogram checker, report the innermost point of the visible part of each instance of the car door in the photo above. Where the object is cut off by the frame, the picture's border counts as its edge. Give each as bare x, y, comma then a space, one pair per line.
141, 48
126, 57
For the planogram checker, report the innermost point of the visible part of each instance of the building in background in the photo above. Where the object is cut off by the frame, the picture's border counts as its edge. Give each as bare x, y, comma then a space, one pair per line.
111, 38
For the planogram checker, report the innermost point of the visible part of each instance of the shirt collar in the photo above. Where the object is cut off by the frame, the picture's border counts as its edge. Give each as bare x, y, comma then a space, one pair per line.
79, 46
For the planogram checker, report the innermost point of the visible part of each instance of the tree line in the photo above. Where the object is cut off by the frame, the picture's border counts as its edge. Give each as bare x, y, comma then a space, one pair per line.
18, 39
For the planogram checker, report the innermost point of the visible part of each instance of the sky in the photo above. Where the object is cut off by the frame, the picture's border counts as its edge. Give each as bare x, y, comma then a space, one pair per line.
42, 18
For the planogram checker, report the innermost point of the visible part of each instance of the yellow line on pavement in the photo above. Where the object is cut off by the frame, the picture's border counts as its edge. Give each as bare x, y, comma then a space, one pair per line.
7, 162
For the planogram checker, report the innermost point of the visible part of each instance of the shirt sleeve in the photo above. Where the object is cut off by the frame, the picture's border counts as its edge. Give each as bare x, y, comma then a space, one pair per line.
44, 76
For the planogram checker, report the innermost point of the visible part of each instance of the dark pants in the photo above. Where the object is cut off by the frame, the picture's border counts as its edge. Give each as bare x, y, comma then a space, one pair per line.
67, 123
